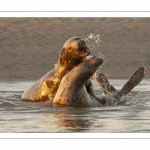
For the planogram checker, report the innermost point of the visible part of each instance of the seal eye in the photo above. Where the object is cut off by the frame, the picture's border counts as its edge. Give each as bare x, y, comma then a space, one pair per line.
70, 48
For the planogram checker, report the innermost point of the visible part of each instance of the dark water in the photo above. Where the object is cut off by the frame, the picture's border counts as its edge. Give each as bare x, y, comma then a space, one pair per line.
132, 115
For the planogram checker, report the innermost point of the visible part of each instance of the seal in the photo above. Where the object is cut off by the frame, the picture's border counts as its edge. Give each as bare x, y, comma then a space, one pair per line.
72, 90
114, 97
104, 83
73, 51
130, 84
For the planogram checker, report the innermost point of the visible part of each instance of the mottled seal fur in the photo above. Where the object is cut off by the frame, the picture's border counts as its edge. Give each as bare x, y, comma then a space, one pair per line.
72, 90
73, 51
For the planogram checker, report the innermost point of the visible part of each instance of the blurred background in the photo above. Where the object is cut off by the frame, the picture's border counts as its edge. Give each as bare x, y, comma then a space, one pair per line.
29, 47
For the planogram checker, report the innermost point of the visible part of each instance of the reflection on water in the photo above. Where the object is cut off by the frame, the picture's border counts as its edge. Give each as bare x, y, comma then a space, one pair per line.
132, 115
69, 122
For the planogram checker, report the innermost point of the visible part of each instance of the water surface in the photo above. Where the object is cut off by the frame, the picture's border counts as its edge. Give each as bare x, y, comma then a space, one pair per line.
132, 115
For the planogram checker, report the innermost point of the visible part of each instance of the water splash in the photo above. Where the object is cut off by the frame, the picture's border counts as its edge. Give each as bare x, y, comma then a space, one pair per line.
93, 40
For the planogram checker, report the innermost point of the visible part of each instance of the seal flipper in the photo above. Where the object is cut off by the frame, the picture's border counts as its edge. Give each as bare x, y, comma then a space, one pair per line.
104, 83
118, 96
134, 80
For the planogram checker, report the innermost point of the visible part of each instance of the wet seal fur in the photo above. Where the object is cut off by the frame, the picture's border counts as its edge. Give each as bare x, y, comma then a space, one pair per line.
73, 51
72, 90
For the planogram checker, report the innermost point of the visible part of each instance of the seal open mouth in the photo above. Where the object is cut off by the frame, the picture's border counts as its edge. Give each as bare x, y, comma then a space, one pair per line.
84, 52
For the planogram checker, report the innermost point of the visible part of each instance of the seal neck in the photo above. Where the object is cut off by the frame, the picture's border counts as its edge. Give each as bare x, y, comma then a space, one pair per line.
65, 66
66, 63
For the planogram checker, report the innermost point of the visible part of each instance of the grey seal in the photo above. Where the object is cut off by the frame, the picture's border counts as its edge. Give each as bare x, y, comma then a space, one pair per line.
72, 90
73, 51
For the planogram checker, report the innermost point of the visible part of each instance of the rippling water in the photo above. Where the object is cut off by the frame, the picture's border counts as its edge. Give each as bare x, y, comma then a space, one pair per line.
132, 115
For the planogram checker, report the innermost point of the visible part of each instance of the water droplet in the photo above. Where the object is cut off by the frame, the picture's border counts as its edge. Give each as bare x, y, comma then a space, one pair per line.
93, 40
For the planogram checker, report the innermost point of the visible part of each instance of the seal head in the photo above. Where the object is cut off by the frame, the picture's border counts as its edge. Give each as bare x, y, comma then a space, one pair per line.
73, 51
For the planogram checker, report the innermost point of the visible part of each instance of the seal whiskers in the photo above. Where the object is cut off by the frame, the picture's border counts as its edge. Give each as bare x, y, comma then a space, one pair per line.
73, 51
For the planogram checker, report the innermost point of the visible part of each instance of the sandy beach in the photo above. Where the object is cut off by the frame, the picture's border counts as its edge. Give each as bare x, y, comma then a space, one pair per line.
29, 47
